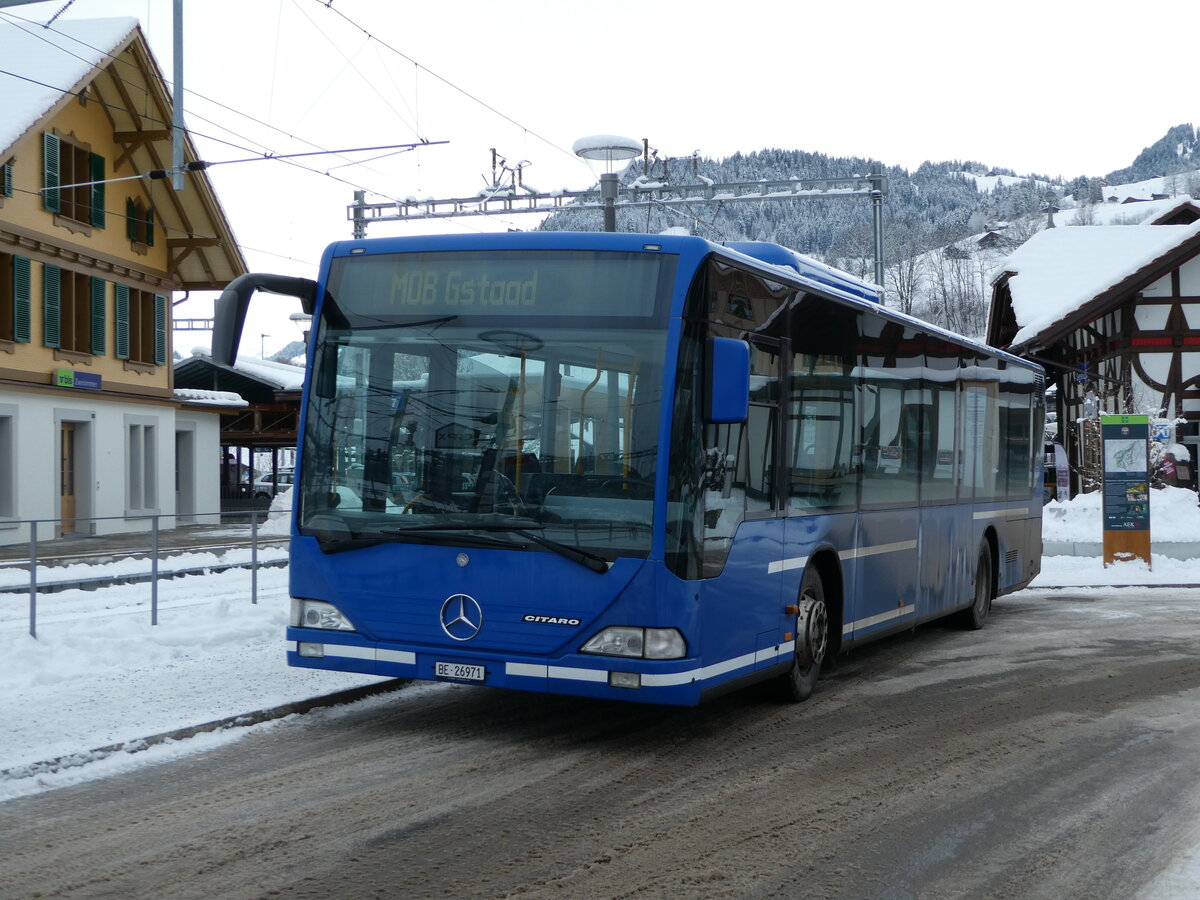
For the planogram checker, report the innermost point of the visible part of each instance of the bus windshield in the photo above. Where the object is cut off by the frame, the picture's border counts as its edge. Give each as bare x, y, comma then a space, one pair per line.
526, 417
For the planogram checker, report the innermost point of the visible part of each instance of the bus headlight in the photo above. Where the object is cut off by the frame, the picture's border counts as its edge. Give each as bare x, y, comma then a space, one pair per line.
316, 614
640, 643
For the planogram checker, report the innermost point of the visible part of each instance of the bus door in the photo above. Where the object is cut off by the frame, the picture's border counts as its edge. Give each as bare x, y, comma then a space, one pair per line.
742, 529
889, 409
943, 523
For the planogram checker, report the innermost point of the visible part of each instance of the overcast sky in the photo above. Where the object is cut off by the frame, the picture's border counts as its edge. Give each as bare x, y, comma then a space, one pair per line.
1047, 87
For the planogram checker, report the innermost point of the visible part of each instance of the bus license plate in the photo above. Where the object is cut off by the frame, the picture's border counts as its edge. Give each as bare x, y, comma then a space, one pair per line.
458, 671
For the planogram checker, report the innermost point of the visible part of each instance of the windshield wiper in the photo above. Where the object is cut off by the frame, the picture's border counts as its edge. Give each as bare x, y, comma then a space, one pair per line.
394, 536
593, 561
586, 558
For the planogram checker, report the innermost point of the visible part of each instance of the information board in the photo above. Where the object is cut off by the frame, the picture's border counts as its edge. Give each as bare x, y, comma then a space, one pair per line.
1126, 487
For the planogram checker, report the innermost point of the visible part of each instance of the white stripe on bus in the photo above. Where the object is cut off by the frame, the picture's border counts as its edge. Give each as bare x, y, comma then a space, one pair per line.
897, 613
349, 652
799, 562
1022, 513
664, 679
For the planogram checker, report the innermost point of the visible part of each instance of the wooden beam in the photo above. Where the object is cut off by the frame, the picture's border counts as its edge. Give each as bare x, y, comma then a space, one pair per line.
142, 137
192, 243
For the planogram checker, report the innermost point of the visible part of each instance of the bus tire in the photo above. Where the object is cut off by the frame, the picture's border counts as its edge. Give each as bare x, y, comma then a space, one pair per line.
975, 615
812, 640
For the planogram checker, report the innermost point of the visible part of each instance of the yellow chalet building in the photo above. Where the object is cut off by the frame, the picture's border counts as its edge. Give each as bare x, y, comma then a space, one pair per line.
91, 250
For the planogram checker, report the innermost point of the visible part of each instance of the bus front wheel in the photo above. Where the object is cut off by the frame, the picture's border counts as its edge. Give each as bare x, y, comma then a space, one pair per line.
812, 640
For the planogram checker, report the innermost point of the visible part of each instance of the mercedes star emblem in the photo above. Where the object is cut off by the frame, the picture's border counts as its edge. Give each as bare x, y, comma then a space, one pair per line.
461, 617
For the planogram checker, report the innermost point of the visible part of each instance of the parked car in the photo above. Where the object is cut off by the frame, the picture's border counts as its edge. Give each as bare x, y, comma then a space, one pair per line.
267, 486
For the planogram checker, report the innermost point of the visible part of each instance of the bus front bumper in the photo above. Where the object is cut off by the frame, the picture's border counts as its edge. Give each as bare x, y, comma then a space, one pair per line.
679, 682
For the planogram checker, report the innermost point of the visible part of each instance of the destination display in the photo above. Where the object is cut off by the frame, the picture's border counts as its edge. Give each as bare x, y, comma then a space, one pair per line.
490, 283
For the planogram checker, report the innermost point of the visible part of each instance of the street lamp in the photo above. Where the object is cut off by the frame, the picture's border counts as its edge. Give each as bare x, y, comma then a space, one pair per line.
607, 155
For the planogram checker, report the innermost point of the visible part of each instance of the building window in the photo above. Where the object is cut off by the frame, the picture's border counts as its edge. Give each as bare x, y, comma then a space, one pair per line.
14, 298
73, 181
73, 308
141, 326
6, 176
142, 470
139, 222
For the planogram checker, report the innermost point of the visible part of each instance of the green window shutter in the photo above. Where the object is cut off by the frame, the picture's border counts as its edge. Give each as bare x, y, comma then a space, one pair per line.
160, 330
51, 294
96, 171
6, 180
122, 321
99, 295
149, 228
131, 219
50, 196
21, 285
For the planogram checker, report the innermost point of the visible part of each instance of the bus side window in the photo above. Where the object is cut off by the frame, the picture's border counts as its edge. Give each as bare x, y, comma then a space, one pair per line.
891, 364
821, 406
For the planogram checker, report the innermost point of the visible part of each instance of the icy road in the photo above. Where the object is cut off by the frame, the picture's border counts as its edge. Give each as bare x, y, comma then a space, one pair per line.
1054, 754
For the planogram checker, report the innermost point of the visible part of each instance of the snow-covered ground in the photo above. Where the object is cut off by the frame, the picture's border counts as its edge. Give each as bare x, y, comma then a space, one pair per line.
99, 674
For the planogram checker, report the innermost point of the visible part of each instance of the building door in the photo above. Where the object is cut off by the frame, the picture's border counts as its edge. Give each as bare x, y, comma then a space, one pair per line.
66, 473
185, 475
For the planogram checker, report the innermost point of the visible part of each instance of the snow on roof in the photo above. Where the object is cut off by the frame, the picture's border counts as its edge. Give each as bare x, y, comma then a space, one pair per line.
1058, 270
281, 376
54, 60
1124, 213
209, 398
284, 376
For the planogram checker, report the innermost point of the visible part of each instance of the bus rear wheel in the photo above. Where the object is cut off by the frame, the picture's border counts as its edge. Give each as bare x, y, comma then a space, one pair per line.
975, 615
812, 641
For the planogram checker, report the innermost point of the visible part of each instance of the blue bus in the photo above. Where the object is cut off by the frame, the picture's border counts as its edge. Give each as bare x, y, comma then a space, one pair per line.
639, 467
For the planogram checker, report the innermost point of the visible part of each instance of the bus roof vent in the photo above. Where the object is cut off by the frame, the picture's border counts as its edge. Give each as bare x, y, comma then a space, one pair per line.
807, 267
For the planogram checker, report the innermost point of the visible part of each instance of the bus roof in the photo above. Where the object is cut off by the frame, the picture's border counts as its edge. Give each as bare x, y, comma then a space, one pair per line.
768, 258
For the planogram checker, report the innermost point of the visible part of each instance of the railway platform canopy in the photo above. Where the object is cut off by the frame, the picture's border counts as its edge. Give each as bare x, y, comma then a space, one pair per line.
261, 435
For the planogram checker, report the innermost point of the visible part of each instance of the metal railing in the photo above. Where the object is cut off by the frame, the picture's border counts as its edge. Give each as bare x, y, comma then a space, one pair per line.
126, 545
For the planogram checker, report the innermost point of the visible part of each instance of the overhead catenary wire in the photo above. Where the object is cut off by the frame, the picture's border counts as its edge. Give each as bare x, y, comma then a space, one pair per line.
328, 4
281, 157
155, 120
266, 153
200, 165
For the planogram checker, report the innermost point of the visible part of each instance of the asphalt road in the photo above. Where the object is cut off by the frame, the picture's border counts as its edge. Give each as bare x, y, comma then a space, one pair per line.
1055, 754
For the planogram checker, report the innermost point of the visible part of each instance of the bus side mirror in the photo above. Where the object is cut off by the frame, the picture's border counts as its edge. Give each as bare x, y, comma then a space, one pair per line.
231, 306
727, 394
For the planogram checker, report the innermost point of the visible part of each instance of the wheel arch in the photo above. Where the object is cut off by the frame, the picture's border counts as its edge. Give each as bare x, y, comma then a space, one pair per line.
828, 566
993, 542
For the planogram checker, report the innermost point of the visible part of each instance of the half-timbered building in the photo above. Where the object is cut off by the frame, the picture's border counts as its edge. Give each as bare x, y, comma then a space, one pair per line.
1113, 312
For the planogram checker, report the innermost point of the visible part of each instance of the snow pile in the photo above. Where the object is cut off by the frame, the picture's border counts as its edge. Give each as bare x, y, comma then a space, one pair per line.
209, 398
279, 518
1090, 571
1174, 517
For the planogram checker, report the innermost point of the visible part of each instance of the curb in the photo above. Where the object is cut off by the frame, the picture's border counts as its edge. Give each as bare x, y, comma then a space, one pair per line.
297, 707
1182, 550
1058, 587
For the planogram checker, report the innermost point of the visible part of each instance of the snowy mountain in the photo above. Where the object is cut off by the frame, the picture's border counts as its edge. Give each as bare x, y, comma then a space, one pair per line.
1178, 151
